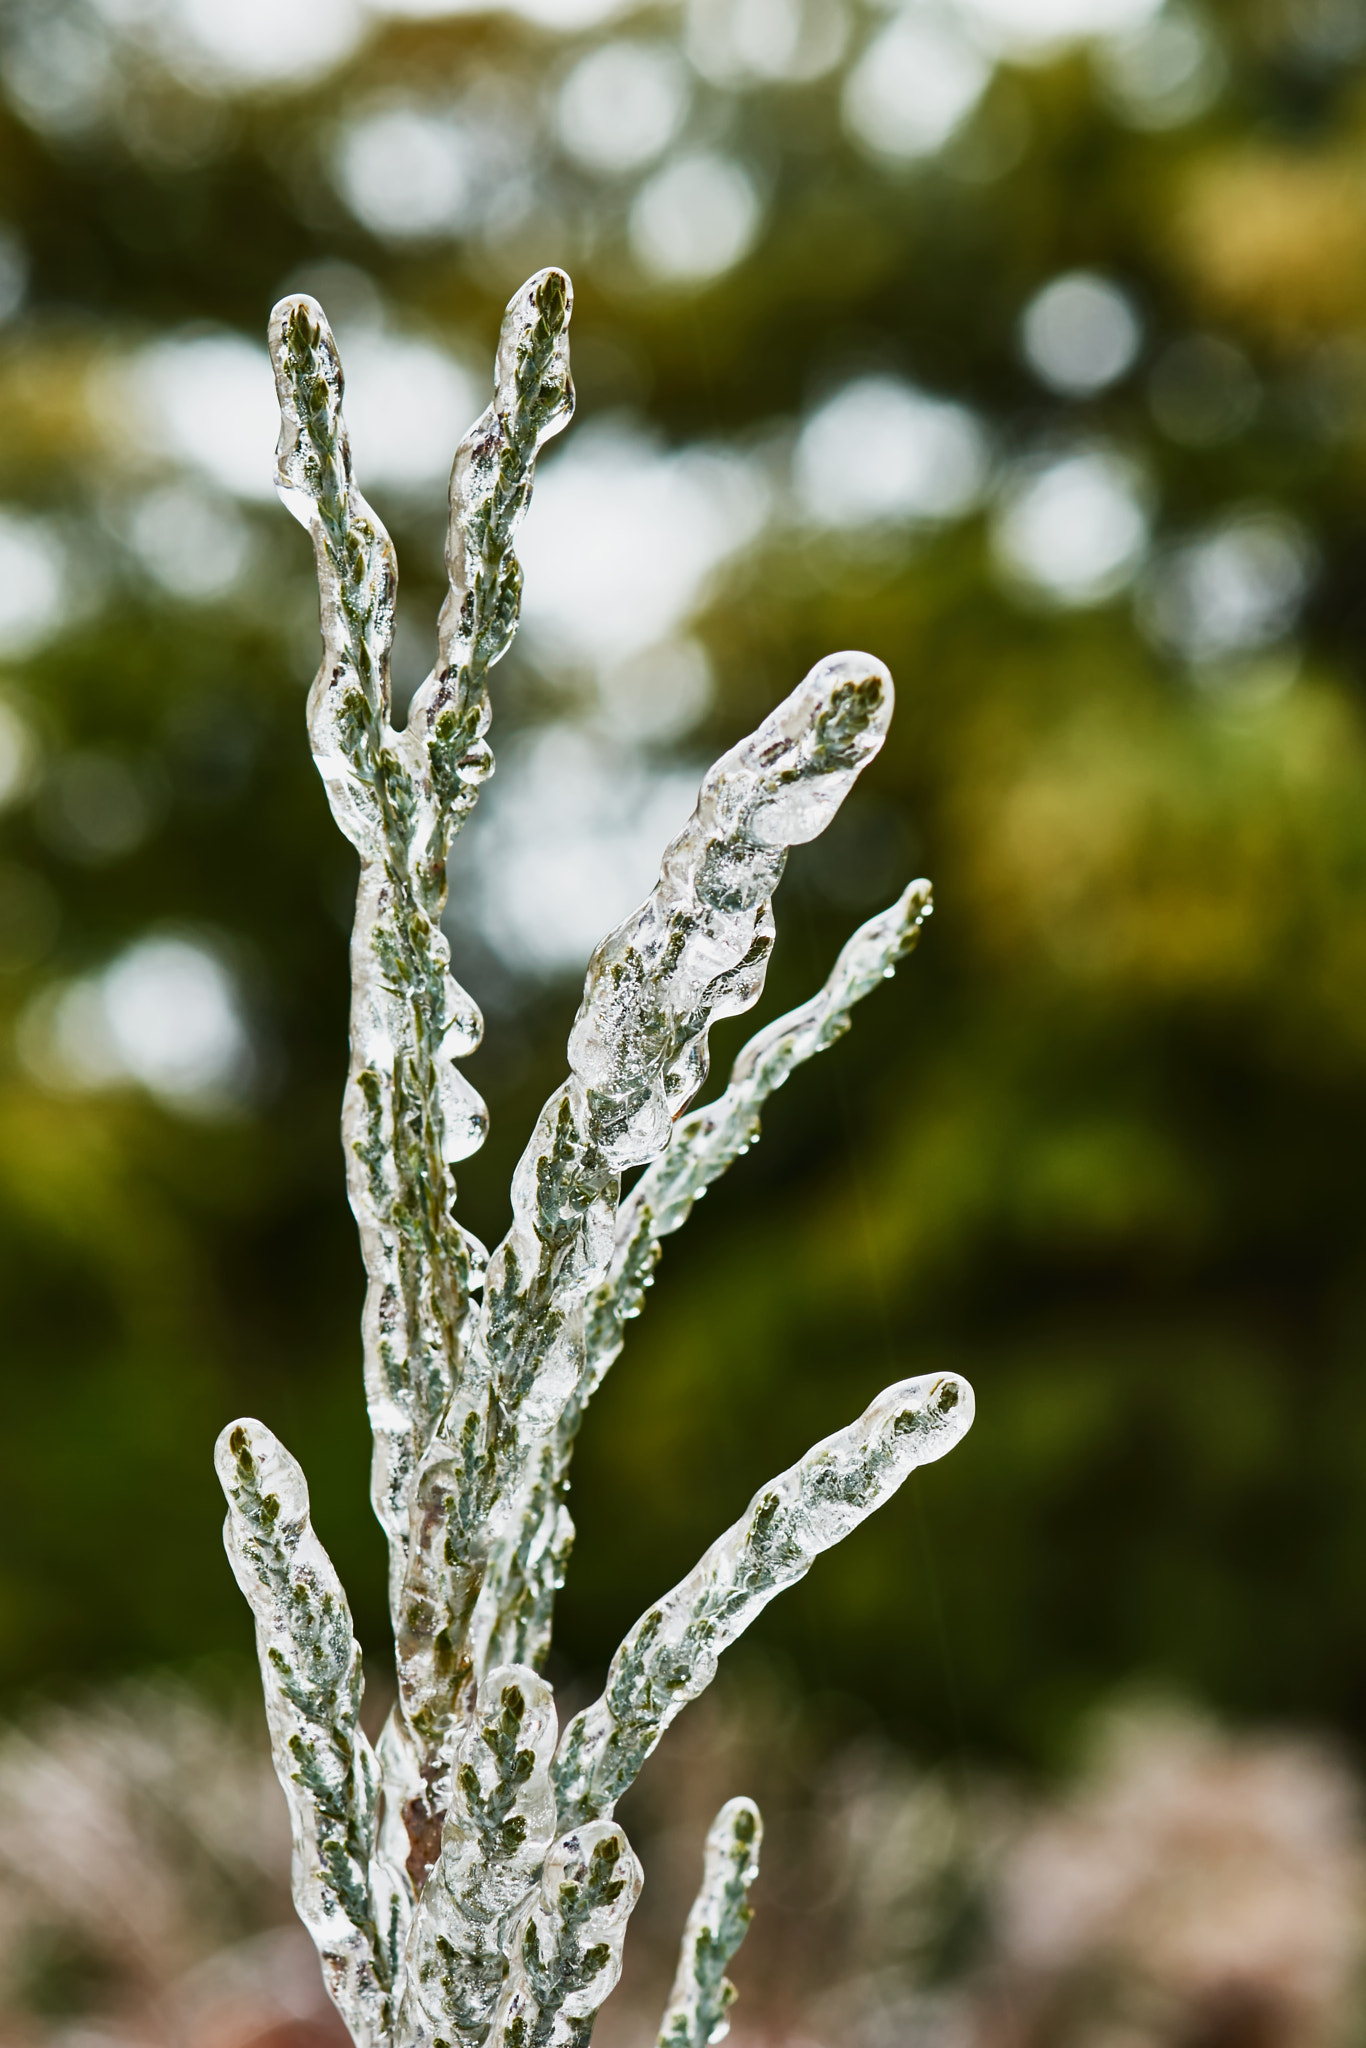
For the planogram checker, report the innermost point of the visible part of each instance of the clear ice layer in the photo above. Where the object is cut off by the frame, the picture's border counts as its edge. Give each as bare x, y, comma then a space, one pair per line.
702, 1994
464, 1880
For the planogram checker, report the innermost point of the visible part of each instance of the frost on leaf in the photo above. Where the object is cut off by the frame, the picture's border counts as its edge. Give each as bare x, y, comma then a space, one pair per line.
464, 1881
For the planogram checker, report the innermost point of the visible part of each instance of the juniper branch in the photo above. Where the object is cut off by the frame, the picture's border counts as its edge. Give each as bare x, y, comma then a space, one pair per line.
565, 1952
702, 1994
499, 1825
703, 1146
710, 1141
446, 1913
351, 1902
696, 950
670, 1655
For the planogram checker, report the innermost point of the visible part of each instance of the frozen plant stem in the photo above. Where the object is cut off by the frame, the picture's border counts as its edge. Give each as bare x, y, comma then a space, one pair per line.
702, 1993
465, 1882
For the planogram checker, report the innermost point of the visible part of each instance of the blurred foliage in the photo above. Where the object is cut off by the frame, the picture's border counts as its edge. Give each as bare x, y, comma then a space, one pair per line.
1100, 1146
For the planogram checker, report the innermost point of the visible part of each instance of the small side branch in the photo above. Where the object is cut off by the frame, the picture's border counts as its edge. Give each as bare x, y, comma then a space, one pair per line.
491, 482
699, 2004
670, 1656
351, 1904
566, 1948
440, 1587
707, 1143
500, 1823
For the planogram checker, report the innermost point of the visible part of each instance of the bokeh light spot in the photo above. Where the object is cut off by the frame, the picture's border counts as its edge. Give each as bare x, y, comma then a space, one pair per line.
208, 400
1080, 334
405, 172
913, 87
695, 219
193, 545
1165, 72
1202, 391
32, 583
1237, 588
622, 536
622, 105
879, 449
1025, 28
165, 1014
1073, 530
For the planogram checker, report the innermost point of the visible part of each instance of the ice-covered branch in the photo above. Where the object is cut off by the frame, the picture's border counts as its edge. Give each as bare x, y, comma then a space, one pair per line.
408, 1113
350, 1901
499, 1825
566, 1949
445, 1570
400, 797
703, 1146
702, 1994
670, 1656
710, 1141
696, 950
468, 1888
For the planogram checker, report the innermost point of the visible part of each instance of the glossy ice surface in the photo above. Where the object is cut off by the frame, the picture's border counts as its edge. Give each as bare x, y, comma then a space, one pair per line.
702, 1993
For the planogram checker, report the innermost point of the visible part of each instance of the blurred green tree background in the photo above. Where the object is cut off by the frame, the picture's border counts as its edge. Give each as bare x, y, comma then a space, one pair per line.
1022, 342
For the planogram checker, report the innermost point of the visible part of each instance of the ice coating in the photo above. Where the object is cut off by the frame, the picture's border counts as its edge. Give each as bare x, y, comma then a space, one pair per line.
702, 1994
446, 1563
639, 1042
565, 1951
711, 1139
408, 1113
499, 1825
446, 1911
670, 1656
703, 1146
352, 1904
694, 951
400, 798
